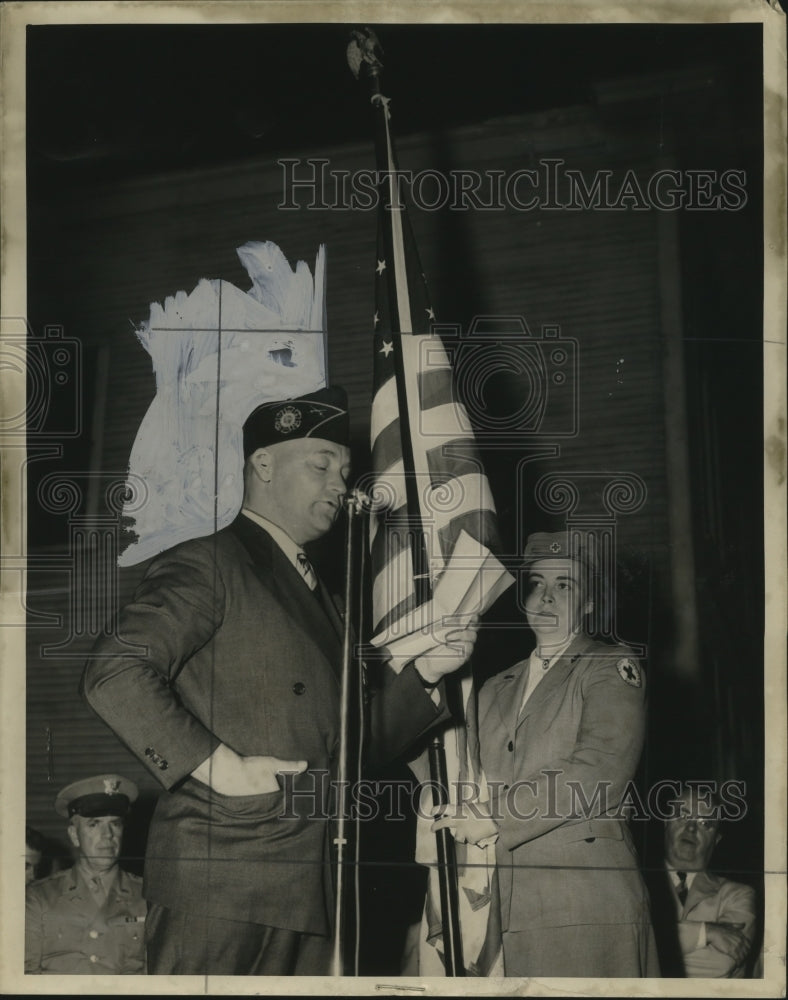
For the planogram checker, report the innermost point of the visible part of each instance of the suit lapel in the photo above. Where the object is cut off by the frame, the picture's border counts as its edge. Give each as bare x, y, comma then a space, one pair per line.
282, 579
331, 610
510, 687
703, 886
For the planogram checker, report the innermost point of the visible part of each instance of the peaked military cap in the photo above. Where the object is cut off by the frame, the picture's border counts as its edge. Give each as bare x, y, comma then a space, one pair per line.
104, 795
560, 545
322, 414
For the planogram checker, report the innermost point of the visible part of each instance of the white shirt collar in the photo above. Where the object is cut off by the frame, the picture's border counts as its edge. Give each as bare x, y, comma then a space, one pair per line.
290, 548
675, 879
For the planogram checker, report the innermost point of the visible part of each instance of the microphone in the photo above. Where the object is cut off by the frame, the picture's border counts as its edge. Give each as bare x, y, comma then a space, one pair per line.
358, 501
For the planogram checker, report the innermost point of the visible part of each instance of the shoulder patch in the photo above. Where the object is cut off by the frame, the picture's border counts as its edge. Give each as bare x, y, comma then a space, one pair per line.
629, 671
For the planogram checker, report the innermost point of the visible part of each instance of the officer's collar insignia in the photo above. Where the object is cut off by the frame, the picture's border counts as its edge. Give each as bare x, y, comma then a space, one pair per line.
287, 419
111, 786
629, 672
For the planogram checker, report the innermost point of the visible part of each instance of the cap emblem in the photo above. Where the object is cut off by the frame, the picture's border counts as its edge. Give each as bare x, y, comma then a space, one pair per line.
555, 547
287, 419
110, 786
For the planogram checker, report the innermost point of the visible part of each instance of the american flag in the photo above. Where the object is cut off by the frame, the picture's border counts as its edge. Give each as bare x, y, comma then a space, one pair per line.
428, 485
426, 467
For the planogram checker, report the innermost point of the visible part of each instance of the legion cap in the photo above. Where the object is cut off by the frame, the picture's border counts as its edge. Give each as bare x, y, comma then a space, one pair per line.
321, 414
560, 545
103, 795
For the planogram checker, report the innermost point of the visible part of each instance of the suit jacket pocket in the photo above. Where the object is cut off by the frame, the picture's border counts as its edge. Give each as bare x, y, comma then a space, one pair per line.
262, 806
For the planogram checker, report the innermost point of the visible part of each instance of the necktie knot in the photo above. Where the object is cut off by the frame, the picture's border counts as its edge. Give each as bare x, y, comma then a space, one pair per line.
305, 566
682, 889
98, 889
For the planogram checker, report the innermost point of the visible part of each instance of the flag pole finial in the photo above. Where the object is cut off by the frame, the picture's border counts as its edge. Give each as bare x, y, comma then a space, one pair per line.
364, 50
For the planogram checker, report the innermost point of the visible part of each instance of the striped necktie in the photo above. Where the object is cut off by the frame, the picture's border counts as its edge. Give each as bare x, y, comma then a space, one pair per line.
305, 566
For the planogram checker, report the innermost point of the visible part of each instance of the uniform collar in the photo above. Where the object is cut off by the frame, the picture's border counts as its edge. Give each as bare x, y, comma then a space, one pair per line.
108, 878
545, 658
79, 877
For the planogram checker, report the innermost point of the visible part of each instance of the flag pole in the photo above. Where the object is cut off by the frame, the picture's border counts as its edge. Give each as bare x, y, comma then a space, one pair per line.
363, 57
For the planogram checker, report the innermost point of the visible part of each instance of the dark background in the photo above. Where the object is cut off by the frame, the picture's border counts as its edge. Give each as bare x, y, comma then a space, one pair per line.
152, 154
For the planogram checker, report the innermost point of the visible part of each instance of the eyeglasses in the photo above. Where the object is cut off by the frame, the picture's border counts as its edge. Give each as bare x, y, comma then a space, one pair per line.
704, 822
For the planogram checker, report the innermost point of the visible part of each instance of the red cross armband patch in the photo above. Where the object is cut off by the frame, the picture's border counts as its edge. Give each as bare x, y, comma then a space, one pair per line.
629, 672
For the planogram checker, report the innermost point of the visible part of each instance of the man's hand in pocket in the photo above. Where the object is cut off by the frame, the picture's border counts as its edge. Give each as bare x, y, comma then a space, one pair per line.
227, 773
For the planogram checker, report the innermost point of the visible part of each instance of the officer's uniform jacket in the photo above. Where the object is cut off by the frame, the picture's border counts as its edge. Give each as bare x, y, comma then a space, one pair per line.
716, 900
224, 643
66, 931
561, 862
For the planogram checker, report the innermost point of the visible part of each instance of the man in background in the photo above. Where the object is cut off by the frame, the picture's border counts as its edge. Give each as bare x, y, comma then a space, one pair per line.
711, 919
89, 918
35, 850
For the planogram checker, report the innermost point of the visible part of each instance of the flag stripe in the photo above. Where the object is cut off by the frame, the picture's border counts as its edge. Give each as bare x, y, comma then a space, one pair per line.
395, 578
455, 501
384, 408
478, 524
456, 456
436, 387
386, 450
388, 489
447, 421
390, 539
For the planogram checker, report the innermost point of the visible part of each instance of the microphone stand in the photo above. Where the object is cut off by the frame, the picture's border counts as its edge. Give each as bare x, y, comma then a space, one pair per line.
354, 505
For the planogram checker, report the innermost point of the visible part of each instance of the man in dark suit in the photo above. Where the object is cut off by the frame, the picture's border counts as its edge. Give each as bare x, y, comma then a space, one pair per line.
239, 684
705, 924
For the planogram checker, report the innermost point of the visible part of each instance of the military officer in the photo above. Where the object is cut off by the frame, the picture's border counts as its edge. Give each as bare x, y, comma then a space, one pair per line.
90, 918
561, 734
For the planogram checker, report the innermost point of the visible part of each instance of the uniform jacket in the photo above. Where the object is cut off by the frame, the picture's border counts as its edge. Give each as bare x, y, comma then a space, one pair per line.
558, 771
225, 643
717, 900
67, 932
